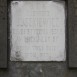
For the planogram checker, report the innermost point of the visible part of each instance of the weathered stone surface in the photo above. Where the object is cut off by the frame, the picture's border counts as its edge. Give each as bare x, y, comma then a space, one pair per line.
22, 69
3, 14
3, 34
72, 33
3, 3
75, 3
49, 69
37, 31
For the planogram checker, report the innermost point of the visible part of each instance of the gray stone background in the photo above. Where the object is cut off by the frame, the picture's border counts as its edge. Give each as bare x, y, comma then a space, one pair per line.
49, 69
35, 69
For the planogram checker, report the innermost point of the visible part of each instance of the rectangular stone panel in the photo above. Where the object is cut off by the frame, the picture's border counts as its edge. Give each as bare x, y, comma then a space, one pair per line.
37, 31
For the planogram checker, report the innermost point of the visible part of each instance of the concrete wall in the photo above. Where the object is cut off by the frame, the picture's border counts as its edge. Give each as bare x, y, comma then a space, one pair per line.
25, 69
49, 69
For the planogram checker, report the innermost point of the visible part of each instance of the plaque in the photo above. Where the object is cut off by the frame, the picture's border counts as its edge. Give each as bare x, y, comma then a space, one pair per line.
37, 31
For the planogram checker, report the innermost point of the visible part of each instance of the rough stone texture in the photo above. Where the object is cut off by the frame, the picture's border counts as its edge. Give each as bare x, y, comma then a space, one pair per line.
29, 69
21, 69
3, 3
72, 33
3, 34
